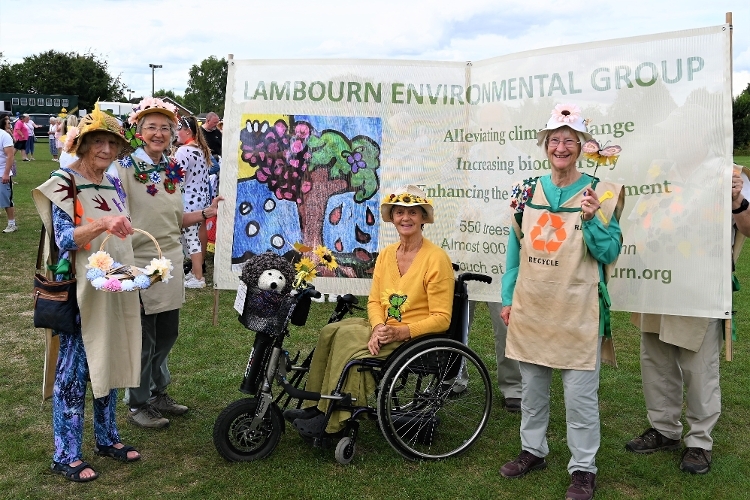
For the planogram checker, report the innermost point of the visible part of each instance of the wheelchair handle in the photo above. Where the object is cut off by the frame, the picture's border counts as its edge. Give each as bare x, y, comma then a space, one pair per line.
310, 291
475, 277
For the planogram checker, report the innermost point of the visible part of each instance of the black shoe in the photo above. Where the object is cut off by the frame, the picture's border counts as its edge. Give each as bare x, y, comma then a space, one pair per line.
522, 465
651, 441
696, 461
582, 486
512, 405
303, 413
311, 427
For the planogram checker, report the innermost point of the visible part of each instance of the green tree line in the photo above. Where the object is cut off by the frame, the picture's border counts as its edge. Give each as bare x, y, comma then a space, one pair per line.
741, 122
88, 77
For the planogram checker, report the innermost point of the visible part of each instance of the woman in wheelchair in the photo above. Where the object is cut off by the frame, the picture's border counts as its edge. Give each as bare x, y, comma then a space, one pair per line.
411, 295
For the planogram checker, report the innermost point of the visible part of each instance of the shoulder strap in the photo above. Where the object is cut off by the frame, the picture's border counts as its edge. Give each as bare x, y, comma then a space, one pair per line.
54, 251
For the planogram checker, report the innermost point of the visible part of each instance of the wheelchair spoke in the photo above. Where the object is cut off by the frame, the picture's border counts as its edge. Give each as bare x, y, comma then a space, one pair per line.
421, 415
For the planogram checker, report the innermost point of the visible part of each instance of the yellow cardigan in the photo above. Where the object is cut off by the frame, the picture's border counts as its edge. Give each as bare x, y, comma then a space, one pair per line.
421, 299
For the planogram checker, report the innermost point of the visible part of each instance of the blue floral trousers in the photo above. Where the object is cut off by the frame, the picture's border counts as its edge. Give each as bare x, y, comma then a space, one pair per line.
71, 378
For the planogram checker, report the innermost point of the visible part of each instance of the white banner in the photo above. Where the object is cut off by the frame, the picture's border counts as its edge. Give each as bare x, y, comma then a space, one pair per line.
311, 147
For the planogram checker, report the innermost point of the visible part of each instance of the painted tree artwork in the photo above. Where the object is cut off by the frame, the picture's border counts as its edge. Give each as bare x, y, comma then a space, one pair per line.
312, 180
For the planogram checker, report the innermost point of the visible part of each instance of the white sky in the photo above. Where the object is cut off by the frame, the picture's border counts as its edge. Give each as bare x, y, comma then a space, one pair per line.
130, 34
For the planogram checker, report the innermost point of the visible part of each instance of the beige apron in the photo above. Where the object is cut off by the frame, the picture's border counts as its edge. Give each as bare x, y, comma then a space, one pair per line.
555, 316
110, 322
161, 216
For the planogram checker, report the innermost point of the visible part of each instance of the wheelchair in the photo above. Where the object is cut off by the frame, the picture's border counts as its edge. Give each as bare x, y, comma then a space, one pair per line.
424, 407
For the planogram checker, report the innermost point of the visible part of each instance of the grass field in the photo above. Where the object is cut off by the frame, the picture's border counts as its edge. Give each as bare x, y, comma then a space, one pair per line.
207, 364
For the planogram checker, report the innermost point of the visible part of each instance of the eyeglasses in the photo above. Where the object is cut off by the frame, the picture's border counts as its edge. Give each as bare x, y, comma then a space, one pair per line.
568, 143
152, 129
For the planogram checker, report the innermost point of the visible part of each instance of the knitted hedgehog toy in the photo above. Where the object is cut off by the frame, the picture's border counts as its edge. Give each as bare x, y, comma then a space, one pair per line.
269, 278
266, 263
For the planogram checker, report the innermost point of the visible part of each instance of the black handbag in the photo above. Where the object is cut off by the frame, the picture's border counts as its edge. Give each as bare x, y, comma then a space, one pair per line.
55, 302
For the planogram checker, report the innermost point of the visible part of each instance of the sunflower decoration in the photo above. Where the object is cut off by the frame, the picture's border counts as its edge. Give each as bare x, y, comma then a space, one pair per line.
326, 258
310, 261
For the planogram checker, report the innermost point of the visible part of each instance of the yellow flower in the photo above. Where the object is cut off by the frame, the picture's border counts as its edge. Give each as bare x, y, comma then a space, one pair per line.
304, 264
326, 257
100, 260
305, 272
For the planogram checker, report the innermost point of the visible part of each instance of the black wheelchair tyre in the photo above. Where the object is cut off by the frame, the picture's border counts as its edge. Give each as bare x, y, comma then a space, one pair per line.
419, 415
232, 436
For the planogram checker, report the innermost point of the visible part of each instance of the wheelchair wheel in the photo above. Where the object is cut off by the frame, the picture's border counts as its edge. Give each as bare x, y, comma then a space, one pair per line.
345, 450
420, 415
236, 442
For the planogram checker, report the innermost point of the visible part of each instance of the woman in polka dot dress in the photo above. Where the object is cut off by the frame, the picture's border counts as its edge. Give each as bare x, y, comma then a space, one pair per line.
191, 156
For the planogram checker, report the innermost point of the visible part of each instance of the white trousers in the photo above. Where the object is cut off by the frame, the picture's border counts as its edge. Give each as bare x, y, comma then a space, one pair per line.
581, 389
665, 368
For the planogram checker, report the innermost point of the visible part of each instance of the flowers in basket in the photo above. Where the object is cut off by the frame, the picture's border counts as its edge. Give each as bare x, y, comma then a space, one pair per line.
107, 275
310, 261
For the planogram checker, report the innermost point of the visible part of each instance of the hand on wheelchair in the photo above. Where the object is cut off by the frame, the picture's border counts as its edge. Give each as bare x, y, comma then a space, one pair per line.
382, 335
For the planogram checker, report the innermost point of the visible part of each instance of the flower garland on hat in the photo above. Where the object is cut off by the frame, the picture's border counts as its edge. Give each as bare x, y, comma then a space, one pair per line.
152, 105
96, 121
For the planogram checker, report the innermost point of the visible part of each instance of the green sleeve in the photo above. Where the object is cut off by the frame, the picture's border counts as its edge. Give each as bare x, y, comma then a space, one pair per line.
604, 242
512, 262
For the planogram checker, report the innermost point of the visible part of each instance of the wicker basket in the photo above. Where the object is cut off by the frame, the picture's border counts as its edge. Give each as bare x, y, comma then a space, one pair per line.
129, 272
266, 312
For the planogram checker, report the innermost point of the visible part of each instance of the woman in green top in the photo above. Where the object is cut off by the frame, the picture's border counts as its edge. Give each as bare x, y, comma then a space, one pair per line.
554, 297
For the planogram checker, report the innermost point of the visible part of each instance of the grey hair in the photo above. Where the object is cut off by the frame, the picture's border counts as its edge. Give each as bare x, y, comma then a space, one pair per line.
210, 115
172, 126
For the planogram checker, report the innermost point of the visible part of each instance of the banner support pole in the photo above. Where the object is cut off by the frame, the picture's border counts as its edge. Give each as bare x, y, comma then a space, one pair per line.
216, 306
230, 57
728, 345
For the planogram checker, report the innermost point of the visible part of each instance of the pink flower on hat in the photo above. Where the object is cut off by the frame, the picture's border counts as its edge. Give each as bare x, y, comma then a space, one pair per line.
566, 113
70, 138
147, 103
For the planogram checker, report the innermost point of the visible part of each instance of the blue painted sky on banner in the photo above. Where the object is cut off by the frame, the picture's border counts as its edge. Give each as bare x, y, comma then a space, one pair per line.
130, 34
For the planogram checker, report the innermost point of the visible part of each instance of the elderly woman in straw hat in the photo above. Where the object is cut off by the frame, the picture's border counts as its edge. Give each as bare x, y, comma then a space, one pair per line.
413, 268
105, 347
554, 296
153, 183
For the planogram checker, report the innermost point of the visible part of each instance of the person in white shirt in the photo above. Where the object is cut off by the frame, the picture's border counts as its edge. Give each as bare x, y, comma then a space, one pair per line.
53, 126
7, 160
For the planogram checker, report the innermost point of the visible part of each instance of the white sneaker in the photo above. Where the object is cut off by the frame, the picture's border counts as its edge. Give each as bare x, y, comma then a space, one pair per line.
12, 228
195, 283
189, 276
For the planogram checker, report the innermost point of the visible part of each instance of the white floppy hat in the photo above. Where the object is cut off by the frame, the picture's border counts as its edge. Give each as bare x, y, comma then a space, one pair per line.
407, 196
565, 115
